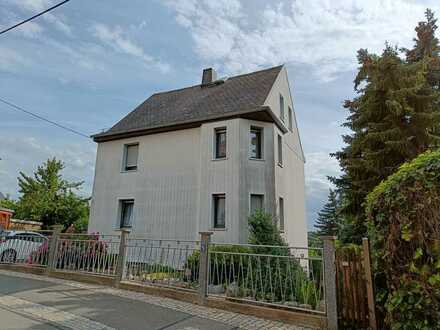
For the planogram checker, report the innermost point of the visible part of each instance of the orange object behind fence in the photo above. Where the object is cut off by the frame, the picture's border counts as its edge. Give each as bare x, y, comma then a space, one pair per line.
5, 218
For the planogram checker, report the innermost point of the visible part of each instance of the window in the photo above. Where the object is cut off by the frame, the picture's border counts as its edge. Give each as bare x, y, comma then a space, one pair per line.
280, 150
281, 213
130, 157
282, 107
290, 119
219, 210
126, 213
257, 203
256, 145
220, 143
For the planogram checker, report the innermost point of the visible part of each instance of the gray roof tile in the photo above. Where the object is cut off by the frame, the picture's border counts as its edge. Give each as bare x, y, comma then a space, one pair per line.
237, 94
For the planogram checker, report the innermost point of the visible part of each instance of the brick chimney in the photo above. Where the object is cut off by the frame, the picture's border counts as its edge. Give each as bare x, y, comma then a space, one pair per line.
209, 76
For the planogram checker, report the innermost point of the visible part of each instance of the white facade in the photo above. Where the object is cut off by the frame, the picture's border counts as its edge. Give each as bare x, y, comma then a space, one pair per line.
177, 176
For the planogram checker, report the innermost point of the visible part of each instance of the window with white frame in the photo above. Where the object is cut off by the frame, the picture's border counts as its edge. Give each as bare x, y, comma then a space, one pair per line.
282, 107
281, 213
126, 213
256, 143
130, 157
220, 143
219, 211
256, 203
290, 118
280, 150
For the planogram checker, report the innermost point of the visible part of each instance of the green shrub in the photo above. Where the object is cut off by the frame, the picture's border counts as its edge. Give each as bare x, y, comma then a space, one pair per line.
81, 225
256, 272
404, 227
263, 230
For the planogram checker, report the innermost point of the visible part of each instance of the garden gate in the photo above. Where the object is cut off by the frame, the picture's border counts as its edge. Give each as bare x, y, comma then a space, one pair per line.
355, 293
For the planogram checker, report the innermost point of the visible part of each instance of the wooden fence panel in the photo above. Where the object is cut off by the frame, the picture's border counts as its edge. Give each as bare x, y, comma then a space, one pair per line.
354, 289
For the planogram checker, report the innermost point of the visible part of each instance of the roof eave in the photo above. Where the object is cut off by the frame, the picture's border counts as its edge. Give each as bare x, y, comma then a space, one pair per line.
7, 210
103, 137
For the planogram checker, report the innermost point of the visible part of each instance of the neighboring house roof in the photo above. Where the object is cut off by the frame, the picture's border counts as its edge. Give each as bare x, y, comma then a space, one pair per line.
239, 96
2, 209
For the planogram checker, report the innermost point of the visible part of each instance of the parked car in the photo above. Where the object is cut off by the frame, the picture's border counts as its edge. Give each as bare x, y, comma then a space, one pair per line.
19, 245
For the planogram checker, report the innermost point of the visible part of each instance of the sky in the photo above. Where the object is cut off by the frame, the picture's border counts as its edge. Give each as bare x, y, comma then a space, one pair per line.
87, 64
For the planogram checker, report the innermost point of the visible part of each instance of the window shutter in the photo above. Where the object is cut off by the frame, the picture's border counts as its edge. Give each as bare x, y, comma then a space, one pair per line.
256, 203
132, 156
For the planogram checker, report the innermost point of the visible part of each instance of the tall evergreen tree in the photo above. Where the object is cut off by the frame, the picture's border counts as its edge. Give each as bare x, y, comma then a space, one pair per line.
394, 118
327, 222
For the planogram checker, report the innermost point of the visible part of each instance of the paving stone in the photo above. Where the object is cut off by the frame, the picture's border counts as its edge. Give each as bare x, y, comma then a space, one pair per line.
239, 321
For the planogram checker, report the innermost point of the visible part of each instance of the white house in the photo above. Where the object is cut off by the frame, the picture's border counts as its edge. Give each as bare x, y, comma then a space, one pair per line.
202, 158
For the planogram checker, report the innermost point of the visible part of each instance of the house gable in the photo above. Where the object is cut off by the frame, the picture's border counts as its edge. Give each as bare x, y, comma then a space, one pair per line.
282, 86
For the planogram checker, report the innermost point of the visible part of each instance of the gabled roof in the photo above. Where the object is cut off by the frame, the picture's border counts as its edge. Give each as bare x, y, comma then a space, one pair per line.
239, 96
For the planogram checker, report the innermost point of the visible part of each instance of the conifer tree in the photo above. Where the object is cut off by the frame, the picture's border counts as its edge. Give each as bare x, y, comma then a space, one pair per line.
327, 222
394, 118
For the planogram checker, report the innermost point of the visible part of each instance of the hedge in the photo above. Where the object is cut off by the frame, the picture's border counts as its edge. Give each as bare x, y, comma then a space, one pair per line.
404, 228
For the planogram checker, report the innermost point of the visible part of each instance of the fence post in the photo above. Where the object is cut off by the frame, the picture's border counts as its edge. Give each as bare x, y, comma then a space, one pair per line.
369, 283
205, 240
120, 266
53, 242
329, 260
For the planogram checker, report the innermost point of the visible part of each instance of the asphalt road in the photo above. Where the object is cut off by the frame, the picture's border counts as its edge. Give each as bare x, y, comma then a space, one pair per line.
40, 305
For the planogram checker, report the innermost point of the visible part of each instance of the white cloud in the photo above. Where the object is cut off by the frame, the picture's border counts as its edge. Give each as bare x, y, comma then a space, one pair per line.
118, 40
11, 60
35, 6
319, 165
30, 29
325, 34
79, 161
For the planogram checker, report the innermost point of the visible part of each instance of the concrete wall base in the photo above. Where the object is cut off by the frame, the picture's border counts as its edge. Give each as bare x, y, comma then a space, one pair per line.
291, 317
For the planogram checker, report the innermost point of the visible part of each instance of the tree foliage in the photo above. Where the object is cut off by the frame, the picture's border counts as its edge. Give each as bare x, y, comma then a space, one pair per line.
47, 197
394, 118
404, 226
263, 230
327, 222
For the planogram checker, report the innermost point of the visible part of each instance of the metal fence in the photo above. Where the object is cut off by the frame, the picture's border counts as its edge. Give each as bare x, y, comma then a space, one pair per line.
172, 263
92, 253
270, 275
280, 276
24, 247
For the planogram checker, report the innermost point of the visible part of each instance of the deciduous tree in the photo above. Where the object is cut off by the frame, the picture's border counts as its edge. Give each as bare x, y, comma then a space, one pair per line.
47, 197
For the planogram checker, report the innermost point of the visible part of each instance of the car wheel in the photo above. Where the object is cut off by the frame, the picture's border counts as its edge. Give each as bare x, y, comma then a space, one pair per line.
9, 256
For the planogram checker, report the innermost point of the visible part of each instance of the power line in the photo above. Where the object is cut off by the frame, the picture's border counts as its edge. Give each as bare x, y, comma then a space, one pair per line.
33, 17
16, 107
